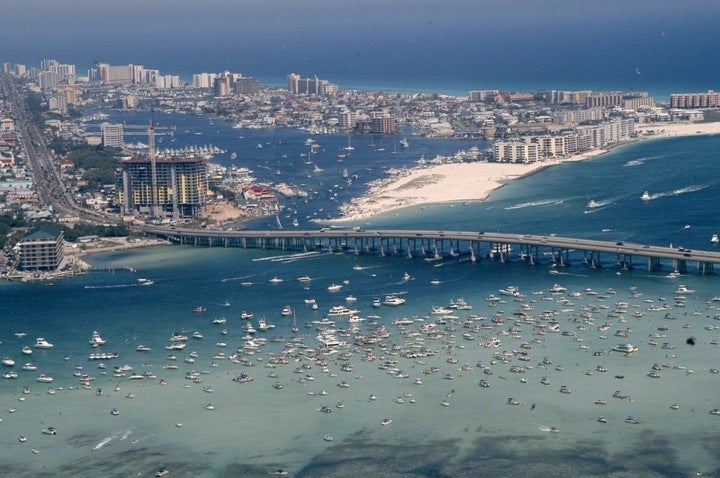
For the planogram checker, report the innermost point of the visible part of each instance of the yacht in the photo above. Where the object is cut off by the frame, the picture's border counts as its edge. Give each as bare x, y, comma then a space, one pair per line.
558, 289
42, 378
30, 367
393, 300
334, 287
625, 348
287, 310
339, 310
41, 343
96, 340
143, 348
510, 290
682, 289
8, 361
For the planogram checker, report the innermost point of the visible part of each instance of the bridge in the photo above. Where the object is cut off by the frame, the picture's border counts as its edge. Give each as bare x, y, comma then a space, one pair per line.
467, 245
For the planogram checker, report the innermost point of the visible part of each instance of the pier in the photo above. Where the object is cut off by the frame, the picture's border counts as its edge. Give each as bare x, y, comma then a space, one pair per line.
467, 245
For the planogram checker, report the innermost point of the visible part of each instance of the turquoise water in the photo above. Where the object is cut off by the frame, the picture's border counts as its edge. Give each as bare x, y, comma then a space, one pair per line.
256, 428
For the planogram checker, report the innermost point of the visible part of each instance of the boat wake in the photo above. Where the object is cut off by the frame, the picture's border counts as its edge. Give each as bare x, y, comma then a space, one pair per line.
115, 286
635, 162
285, 258
675, 192
104, 442
543, 202
230, 279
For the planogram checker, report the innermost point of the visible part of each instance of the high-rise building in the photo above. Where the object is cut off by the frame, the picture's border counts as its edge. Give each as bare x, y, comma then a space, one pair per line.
247, 86
180, 189
113, 135
695, 100
47, 80
221, 86
42, 249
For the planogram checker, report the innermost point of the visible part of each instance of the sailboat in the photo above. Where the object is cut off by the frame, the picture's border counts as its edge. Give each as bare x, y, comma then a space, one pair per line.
294, 327
349, 147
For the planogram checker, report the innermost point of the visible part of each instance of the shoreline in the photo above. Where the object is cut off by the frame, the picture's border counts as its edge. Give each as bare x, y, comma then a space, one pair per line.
475, 181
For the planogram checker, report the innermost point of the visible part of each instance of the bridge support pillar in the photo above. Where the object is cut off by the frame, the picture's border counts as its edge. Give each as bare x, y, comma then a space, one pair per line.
654, 264
706, 268
680, 265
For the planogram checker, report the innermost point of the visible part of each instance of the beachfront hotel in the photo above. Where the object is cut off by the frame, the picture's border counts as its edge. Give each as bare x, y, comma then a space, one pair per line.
180, 187
695, 100
41, 249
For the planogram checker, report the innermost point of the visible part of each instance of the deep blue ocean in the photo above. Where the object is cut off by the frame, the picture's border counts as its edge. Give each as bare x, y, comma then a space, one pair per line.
448, 426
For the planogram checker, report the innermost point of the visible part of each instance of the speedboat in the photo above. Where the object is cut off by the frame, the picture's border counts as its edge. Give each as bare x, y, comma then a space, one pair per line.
287, 310
49, 431
632, 419
276, 280
601, 419
645, 196
29, 367
43, 378
115, 412
304, 279
334, 287
8, 361
162, 472
41, 343
714, 239
386, 421
27, 350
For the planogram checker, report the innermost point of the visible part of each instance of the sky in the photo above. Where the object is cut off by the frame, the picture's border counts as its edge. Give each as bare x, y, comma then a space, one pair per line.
483, 42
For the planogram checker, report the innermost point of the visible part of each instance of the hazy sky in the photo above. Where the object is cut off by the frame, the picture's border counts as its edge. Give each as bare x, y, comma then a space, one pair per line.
499, 39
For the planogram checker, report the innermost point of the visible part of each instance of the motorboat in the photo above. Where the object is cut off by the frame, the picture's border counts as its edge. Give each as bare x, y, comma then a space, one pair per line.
115, 412
199, 310
8, 361
645, 196
287, 310
393, 300
305, 278
27, 350
340, 310
41, 343
49, 431
714, 239
334, 287
511, 291
625, 348
275, 280
162, 472
632, 419
96, 340
29, 367
43, 378
386, 421
683, 289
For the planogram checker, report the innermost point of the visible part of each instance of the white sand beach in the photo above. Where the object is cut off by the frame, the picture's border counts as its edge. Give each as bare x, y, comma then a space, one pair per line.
459, 182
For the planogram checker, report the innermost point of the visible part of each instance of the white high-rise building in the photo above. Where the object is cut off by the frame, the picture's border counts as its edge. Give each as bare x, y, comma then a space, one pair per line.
112, 134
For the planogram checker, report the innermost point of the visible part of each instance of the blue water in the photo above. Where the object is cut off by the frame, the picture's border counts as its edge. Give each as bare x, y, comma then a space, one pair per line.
256, 428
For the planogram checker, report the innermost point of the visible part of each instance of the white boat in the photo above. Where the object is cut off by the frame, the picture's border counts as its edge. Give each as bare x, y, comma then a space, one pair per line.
143, 348
8, 361
404, 143
334, 287
42, 378
41, 343
682, 289
27, 350
593, 204
511, 290
287, 310
625, 348
393, 300
645, 196
339, 310
304, 278
30, 367
49, 431
96, 340
276, 280
714, 239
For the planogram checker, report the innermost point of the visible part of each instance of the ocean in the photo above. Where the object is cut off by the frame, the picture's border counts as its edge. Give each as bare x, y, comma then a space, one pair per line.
423, 376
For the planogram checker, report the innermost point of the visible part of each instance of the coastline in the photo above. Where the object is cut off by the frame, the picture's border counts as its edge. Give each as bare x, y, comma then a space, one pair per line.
472, 182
